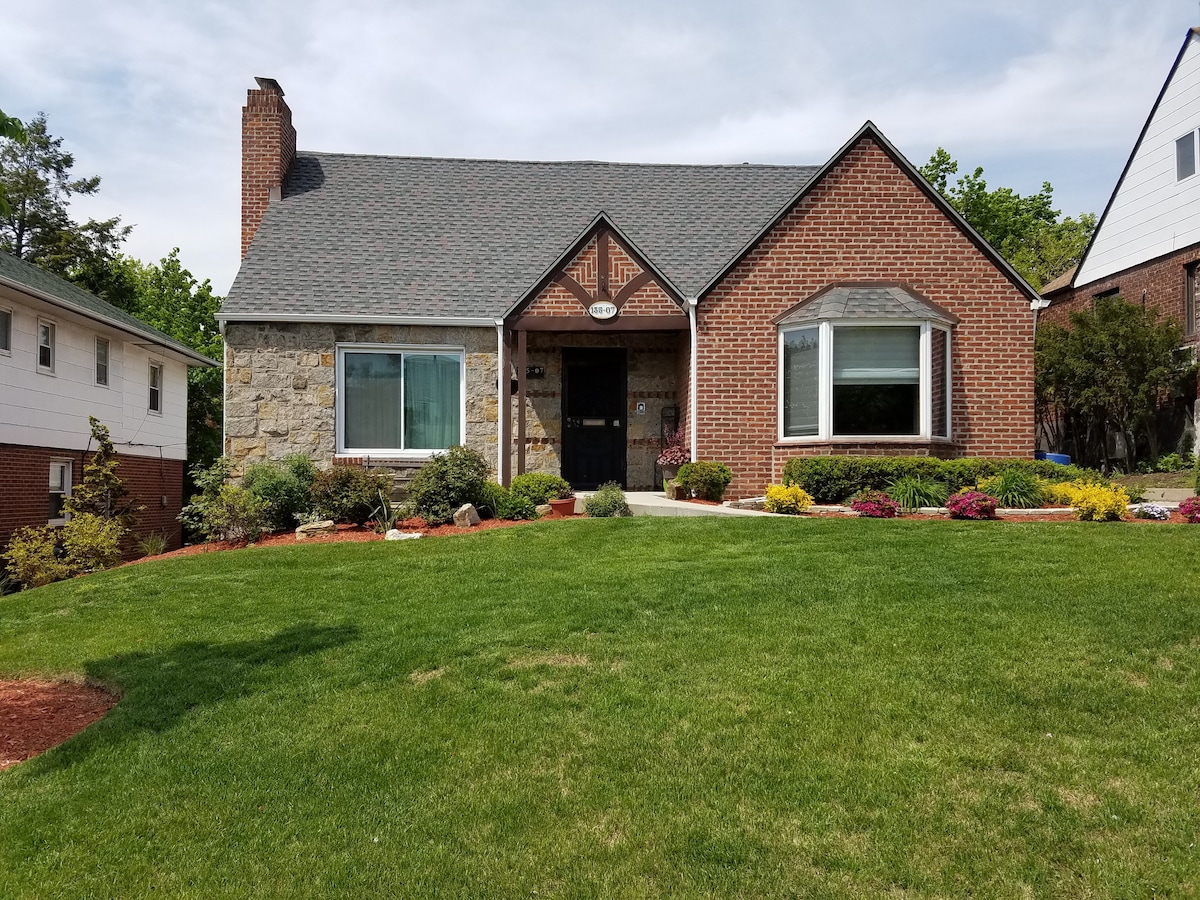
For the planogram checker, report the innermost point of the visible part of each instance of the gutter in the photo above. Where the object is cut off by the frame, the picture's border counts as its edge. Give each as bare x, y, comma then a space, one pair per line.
451, 321
501, 398
693, 302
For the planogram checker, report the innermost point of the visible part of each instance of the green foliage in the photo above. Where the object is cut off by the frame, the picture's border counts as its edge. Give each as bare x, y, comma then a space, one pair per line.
446, 482
386, 514
705, 479
40, 554
284, 486
223, 511
539, 488
1096, 503
153, 544
348, 493
787, 499
102, 492
912, 492
92, 542
1196, 485
1026, 231
34, 556
831, 479
1112, 370
1014, 489
503, 503
608, 502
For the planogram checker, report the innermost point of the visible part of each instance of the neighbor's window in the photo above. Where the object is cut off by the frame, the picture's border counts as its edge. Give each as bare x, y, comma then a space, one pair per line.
156, 380
881, 381
60, 490
46, 345
400, 399
102, 362
1185, 156
5, 330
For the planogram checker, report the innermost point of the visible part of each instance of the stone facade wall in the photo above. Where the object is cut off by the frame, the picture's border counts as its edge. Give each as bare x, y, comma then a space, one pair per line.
652, 363
865, 221
281, 383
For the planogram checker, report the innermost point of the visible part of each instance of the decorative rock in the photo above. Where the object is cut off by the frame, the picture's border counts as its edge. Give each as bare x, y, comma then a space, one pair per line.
394, 534
544, 510
467, 516
313, 528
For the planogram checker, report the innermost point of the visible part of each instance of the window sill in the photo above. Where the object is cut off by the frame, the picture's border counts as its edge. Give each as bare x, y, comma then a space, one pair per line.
385, 457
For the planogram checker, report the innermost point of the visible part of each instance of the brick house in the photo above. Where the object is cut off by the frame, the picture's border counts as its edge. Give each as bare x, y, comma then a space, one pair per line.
560, 316
66, 354
1146, 247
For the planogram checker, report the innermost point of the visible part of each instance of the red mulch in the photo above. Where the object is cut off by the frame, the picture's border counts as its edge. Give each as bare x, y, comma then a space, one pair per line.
38, 715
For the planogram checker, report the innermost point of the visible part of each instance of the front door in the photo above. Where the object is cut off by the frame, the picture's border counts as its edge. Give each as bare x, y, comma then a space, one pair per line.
593, 417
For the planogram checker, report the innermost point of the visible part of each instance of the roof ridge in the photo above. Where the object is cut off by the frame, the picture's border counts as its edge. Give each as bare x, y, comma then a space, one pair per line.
559, 162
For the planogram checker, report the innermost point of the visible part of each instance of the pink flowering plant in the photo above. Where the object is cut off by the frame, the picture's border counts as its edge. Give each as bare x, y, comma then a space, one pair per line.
874, 505
1190, 510
676, 452
972, 505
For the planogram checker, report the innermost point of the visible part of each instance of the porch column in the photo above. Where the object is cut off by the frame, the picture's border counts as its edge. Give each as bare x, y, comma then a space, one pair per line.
521, 338
504, 397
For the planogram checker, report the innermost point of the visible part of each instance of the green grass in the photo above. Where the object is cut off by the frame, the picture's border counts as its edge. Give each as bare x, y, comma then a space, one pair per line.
626, 708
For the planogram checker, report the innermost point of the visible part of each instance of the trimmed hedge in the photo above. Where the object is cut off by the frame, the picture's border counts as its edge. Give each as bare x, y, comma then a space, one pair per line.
831, 479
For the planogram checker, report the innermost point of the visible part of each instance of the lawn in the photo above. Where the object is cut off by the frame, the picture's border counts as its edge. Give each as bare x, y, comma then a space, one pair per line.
627, 708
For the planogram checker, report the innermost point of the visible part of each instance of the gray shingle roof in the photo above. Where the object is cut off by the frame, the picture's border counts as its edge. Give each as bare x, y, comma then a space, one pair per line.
867, 301
372, 235
20, 274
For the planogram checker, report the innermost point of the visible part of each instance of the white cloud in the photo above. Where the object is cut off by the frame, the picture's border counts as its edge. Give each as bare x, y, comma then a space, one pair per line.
148, 95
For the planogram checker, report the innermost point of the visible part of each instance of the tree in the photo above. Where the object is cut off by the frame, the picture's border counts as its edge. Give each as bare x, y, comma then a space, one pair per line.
11, 129
35, 180
1026, 231
1113, 371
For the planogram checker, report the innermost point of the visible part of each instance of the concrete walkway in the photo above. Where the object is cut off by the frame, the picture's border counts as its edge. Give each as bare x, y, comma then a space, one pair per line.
655, 503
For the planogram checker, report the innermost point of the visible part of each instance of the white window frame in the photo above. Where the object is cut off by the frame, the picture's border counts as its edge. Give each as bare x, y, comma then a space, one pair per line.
107, 344
151, 388
52, 331
1191, 138
411, 349
66, 467
825, 433
7, 349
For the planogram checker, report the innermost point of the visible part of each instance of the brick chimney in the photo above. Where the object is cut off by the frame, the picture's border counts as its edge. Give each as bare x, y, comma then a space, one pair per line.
268, 149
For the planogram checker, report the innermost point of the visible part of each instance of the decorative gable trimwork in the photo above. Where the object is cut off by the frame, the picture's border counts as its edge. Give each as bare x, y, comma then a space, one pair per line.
605, 285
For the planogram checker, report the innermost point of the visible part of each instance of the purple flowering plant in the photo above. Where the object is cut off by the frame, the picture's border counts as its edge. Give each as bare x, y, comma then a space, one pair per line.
676, 452
874, 505
972, 505
1190, 510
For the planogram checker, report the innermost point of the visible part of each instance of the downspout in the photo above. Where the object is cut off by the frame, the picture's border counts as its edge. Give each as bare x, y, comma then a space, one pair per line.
501, 397
224, 391
692, 406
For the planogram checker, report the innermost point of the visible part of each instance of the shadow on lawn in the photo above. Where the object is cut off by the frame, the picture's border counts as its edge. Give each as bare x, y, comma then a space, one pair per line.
160, 688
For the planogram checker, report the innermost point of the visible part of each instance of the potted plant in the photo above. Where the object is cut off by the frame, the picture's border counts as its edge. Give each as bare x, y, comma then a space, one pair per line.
674, 455
564, 504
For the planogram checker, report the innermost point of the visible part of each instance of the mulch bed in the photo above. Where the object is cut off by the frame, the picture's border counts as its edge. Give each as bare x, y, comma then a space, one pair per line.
38, 715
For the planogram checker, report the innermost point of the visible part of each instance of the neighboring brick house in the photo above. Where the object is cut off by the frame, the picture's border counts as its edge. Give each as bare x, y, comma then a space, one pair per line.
65, 354
559, 316
1146, 248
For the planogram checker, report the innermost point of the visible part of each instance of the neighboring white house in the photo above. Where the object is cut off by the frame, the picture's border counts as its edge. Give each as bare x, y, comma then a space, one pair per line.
66, 355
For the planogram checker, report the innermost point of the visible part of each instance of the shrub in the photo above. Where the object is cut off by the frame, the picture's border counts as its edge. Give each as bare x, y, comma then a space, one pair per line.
1060, 493
1190, 510
1094, 503
92, 542
348, 493
607, 502
1015, 489
446, 482
874, 505
1152, 511
233, 514
705, 479
539, 487
972, 505
1169, 462
505, 503
676, 452
153, 544
102, 491
789, 499
34, 556
912, 492
285, 487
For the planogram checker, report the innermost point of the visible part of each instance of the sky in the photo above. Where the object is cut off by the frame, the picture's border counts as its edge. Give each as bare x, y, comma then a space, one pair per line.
147, 94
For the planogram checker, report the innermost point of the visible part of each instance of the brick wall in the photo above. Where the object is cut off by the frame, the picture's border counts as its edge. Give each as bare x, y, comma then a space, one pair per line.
24, 480
268, 149
865, 221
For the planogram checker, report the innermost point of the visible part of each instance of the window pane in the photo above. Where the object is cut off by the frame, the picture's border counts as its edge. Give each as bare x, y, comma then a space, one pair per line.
46, 346
101, 361
876, 375
5, 330
431, 402
801, 380
941, 386
373, 383
1185, 156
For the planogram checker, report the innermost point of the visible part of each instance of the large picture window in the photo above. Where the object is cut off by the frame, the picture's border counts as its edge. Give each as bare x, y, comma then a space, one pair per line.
399, 400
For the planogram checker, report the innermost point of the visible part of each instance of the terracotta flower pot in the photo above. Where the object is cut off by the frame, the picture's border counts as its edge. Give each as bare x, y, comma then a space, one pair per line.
562, 508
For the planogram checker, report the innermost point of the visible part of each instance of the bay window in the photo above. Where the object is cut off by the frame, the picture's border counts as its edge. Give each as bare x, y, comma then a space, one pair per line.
865, 361
399, 400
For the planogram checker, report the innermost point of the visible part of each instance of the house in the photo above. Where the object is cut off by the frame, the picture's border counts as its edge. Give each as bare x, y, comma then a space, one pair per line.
562, 316
1146, 246
65, 354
